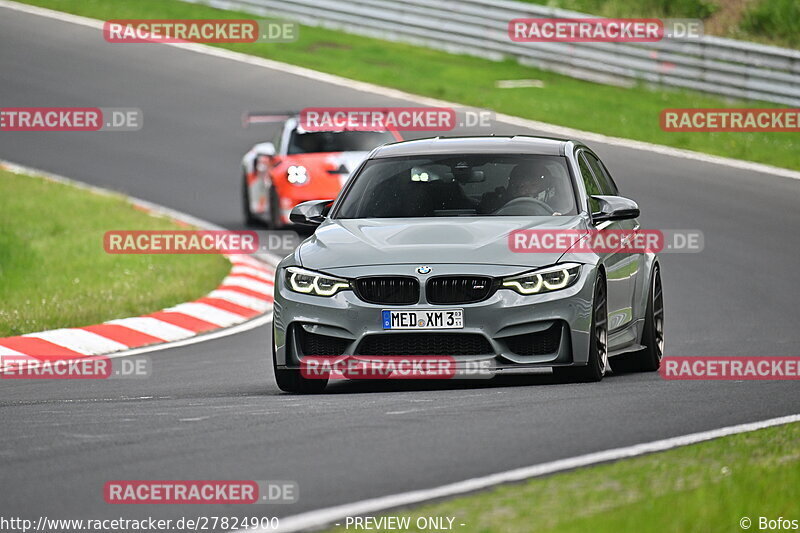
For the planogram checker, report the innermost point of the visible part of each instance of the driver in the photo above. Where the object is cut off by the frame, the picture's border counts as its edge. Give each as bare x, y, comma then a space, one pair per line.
528, 179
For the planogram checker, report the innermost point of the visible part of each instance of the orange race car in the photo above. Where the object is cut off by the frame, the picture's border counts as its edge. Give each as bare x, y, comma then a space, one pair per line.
299, 165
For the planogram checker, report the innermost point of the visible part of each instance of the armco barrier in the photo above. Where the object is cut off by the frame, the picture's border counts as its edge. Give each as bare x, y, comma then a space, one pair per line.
714, 65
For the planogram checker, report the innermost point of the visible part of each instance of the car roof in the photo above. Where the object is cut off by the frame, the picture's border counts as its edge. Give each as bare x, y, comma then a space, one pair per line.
515, 144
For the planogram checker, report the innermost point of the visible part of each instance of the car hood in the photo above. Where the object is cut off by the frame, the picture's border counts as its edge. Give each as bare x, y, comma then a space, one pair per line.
479, 240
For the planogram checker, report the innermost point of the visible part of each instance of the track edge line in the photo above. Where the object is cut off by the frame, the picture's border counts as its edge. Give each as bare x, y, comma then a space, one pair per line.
320, 518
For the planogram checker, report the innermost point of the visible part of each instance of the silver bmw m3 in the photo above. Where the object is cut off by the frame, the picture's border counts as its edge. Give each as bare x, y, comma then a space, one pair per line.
472, 248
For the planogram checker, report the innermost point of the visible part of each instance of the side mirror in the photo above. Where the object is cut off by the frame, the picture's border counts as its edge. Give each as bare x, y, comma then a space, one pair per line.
267, 149
311, 213
615, 208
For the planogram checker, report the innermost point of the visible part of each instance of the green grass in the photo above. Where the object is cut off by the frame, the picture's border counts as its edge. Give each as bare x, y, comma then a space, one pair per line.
636, 8
706, 487
630, 113
55, 273
775, 22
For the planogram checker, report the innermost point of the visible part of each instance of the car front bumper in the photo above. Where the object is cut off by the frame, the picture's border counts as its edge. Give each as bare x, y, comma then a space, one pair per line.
508, 329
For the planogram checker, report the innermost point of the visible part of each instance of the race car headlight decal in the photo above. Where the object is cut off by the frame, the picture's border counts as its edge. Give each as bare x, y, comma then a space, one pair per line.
544, 280
297, 175
315, 283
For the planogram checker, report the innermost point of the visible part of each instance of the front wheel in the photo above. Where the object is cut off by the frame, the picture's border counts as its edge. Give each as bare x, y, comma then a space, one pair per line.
597, 365
649, 358
249, 219
274, 209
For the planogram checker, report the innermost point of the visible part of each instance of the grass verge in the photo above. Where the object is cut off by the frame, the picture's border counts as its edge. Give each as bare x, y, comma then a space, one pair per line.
56, 274
774, 22
630, 113
706, 487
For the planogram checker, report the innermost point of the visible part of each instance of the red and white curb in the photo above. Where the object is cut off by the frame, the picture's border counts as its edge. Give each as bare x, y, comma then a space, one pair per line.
244, 294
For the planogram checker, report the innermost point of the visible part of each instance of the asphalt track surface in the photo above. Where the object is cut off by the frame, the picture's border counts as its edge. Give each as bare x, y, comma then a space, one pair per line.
212, 411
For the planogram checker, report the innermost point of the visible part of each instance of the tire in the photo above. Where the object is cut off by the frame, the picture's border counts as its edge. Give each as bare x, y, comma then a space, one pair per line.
249, 219
597, 364
291, 380
274, 209
649, 358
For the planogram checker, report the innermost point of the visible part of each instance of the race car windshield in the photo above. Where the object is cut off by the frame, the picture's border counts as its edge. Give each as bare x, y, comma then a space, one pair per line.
344, 141
461, 185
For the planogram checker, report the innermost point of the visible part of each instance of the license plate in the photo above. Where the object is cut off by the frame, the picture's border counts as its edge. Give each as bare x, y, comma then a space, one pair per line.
423, 319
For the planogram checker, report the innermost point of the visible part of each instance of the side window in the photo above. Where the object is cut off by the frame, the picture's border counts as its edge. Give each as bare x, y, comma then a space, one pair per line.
607, 184
589, 183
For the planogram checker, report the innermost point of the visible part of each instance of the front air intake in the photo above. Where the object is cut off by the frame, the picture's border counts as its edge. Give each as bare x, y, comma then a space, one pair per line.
391, 290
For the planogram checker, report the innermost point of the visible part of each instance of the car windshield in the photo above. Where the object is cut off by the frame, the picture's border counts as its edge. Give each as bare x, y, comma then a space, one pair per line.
460, 185
340, 141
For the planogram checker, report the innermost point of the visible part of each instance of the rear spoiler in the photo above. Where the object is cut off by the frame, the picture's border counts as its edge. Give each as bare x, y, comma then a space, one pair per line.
272, 117
266, 117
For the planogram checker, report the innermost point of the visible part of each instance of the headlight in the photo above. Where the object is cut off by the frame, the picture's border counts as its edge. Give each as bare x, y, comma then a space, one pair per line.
297, 175
315, 283
544, 280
